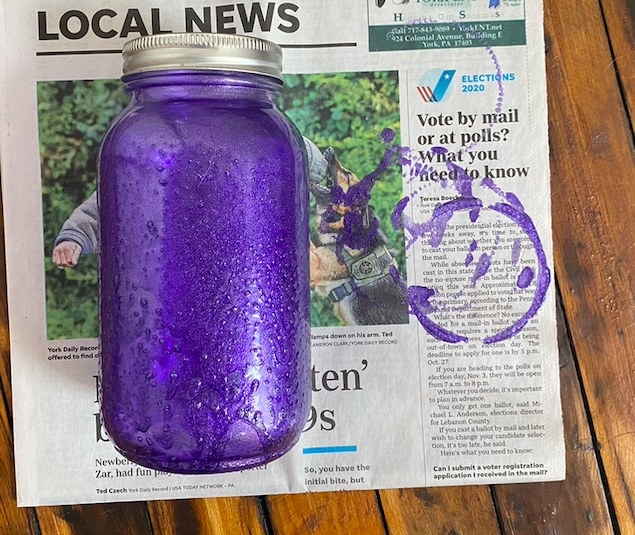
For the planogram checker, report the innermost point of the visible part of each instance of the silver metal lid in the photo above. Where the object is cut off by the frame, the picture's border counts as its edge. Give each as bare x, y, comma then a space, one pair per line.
202, 51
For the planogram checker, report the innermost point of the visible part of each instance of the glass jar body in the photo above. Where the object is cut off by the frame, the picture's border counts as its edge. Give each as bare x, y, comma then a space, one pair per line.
204, 274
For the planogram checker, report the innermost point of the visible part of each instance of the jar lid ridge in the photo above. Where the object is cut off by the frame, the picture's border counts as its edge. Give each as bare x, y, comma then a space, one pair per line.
202, 51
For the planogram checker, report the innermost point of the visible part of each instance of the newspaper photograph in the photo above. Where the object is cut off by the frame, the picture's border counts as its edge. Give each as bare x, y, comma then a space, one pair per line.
434, 351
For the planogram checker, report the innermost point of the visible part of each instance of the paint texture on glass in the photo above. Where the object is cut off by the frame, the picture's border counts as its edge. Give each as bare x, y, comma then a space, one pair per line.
204, 274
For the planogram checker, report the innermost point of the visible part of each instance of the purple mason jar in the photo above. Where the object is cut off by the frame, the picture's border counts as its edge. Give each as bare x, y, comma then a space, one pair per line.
204, 276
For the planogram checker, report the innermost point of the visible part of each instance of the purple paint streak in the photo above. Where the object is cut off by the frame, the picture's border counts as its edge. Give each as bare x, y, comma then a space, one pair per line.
543, 276
419, 299
525, 278
358, 232
469, 258
482, 267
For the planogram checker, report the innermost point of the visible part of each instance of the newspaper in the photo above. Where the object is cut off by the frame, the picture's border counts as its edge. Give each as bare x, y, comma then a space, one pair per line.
441, 105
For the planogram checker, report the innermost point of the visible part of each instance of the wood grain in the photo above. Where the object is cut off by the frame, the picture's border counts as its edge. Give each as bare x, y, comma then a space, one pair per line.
578, 504
326, 513
451, 510
12, 519
120, 518
210, 516
593, 166
620, 22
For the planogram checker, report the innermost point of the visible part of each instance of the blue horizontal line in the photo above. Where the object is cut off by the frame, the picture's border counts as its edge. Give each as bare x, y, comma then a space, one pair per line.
329, 449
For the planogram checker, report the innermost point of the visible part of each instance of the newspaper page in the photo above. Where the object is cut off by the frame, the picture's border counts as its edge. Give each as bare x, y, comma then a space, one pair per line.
440, 107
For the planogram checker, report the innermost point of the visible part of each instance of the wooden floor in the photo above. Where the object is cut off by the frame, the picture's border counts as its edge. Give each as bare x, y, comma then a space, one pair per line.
591, 81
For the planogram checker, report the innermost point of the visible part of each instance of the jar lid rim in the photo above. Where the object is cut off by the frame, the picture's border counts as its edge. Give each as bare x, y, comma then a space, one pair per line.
202, 51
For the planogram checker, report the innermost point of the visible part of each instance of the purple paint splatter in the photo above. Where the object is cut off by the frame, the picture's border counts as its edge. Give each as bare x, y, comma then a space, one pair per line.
525, 278
482, 267
387, 135
359, 230
469, 258
435, 228
433, 231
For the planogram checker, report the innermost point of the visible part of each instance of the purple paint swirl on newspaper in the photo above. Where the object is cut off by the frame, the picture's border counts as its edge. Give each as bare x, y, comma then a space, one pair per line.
504, 267
501, 275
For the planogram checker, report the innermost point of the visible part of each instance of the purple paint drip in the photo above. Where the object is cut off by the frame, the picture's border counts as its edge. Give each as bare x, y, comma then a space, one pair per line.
482, 267
359, 233
396, 218
438, 224
525, 278
463, 183
509, 197
469, 258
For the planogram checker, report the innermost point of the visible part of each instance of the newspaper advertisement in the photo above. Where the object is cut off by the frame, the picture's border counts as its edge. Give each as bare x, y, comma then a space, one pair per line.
440, 106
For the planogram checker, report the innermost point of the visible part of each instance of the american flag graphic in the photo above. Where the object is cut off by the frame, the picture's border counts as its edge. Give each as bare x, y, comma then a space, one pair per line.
426, 93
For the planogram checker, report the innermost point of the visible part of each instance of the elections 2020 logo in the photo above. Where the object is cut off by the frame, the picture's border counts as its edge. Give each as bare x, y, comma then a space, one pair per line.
436, 85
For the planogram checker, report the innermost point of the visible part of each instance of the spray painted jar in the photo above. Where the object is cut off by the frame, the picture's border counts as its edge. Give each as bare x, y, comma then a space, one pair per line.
204, 274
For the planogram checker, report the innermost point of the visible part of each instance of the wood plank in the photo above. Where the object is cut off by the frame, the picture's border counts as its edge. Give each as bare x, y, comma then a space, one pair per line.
578, 504
439, 510
620, 21
207, 516
326, 513
593, 166
94, 519
12, 519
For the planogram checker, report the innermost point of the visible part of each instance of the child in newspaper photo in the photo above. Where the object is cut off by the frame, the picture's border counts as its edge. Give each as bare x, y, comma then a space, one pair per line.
79, 234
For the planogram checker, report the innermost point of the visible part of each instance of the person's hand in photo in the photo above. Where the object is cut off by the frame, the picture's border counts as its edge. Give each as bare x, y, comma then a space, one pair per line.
66, 254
